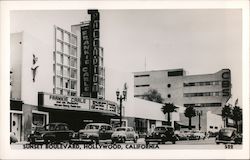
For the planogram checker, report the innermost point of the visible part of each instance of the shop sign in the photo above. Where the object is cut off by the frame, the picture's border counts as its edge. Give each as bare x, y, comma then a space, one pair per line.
76, 103
52, 100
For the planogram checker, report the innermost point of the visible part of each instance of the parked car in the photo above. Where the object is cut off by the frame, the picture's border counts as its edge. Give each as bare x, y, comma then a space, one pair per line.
228, 135
51, 133
123, 134
13, 138
196, 134
183, 134
94, 133
161, 134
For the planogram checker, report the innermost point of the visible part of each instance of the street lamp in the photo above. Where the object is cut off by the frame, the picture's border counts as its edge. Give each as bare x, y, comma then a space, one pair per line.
121, 97
199, 113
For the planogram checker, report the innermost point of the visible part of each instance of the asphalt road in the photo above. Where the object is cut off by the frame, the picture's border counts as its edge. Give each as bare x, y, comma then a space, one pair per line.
190, 144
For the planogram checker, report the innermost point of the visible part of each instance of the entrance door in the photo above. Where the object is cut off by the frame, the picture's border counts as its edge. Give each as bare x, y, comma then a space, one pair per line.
16, 122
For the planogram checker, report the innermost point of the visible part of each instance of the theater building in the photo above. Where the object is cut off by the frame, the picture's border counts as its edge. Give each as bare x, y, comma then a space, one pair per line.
47, 79
205, 92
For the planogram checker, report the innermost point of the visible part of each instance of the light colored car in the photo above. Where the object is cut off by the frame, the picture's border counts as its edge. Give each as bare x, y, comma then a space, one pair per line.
122, 134
196, 134
183, 134
94, 133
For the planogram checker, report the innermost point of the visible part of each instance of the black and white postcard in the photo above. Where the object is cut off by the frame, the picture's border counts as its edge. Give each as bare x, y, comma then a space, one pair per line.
143, 79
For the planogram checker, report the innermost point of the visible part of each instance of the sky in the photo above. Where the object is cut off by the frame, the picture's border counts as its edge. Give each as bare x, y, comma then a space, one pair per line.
199, 41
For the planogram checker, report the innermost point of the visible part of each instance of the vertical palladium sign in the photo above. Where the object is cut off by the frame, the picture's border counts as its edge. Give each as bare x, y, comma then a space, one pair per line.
90, 56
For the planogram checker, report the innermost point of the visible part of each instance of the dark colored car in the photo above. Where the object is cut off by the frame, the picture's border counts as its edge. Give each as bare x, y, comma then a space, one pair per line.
123, 134
228, 135
94, 133
51, 133
161, 135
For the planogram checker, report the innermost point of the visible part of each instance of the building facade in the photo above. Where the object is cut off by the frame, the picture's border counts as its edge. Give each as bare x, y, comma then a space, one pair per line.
206, 92
46, 79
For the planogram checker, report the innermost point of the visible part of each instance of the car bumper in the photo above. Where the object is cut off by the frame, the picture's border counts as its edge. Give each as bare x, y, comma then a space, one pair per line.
223, 141
81, 140
117, 139
153, 140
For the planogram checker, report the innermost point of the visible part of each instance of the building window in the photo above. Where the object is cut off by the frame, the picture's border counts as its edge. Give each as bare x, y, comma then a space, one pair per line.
66, 49
203, 105
65, 72
73, 62
175, 73
169, 95
143, 85
59, 46
59, 34
207, 83
73, 85
66, 37
144, 75
216, 127
202, 94
73, 40
211, 127
73, 51
73, 74
59, 82
169, 85
66, 60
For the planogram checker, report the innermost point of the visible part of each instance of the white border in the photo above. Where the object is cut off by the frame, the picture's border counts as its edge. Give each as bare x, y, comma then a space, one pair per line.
6, 152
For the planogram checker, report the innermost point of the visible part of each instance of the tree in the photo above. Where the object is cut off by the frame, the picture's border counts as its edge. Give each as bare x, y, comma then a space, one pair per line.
189, 113
226, 113
153, 95
168, 108
237, 115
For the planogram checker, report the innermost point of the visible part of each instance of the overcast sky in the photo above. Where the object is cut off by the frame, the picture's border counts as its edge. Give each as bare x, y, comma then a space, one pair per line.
199, 41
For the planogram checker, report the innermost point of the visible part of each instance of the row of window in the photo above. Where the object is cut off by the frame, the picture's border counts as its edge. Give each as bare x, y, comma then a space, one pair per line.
65, 83
143, 85
66, 48
66, 36
144, 75
64, 92
65, 60
208, 83
202, 94
66, 72
203, 105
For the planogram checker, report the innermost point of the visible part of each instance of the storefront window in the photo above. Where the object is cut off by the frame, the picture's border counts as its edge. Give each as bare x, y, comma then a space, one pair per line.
38, 119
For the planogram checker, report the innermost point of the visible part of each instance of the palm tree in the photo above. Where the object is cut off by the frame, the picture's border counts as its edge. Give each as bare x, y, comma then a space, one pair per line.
189, 113
226, 113
168, 108
153, 95
237, 115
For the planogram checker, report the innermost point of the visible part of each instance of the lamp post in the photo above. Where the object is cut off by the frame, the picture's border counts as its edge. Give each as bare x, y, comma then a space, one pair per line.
199, 113
121, 97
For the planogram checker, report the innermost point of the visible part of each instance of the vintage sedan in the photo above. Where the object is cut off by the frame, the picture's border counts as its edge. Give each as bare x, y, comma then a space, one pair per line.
183, 134
161, 135
228, 135
123, 134
51, 133
94, 133
197, 135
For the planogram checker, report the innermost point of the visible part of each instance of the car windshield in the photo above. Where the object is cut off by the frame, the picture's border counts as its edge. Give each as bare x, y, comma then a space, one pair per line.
160, 129
92, 126
226, 132
40, 129
120, 129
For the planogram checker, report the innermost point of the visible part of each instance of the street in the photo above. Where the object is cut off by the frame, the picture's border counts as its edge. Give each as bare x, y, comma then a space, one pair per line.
190, 144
